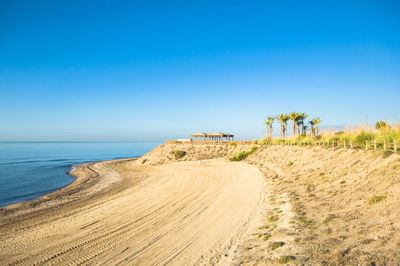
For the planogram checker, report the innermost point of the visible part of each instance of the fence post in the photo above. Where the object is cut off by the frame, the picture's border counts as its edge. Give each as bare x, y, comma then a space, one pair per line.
344, 144
333, 144
351, 144
374, 144
366, 144
395, 146
384, 145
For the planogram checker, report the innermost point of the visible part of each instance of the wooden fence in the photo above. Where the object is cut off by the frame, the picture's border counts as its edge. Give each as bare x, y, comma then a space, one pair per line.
208, 142
368, 145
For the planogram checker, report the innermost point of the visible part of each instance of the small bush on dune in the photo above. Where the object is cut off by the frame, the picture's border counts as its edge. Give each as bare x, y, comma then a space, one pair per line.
376, 199
243, 154
285, 259
362, 137
239, 156
264, 141
179, 154
252, 149
275, 245
233, 144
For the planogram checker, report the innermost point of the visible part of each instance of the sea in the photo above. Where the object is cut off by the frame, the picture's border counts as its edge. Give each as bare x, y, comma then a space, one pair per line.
29, 170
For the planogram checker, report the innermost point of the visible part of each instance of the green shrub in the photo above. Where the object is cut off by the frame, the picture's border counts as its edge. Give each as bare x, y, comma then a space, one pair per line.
179, 154
305, 221
380, 125
376, 199
233, 143
264, 141
239, 156
252, 149
362, 137
273, 219
266, 237
144, 161
285, 259
243, 154
275, 245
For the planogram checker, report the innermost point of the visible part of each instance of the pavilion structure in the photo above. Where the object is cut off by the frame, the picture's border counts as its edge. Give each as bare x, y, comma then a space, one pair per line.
217, 137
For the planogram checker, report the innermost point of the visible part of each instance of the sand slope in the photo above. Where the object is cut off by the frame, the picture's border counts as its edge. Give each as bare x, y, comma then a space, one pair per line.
181, 213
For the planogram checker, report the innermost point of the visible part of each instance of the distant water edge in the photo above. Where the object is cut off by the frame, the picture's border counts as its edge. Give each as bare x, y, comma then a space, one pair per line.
29, 170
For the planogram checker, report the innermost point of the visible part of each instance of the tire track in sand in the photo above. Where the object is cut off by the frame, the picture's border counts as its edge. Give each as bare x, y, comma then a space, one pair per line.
184, 213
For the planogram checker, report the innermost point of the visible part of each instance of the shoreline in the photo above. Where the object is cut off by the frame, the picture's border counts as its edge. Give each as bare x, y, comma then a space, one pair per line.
54, 193
87, 187
141, 195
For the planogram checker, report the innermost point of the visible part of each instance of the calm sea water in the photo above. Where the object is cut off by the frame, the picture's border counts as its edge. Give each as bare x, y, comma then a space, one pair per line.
31, 170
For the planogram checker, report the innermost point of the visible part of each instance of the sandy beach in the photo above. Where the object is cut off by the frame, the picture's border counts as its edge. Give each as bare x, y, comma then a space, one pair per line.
281, 205
180, 213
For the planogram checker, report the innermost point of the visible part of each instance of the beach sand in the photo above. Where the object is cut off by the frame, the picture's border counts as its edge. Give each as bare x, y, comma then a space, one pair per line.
282, 204
122, 212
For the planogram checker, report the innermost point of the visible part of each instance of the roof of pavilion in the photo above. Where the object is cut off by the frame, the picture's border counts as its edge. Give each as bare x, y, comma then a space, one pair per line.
212, 135
216, 134
201, 135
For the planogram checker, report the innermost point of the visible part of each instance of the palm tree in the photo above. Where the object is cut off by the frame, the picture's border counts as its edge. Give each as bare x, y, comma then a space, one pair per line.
302, 117
295, 117
312, 128
281, 118
316, 122
286, 118
268, 122
304, 130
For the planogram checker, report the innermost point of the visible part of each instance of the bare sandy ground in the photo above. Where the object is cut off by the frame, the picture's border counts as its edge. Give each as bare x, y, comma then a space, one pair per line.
324, 206
127, 213
282, 205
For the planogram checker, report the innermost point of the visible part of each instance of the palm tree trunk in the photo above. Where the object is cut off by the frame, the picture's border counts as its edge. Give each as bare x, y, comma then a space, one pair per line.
281, 130
294, 128
285, 130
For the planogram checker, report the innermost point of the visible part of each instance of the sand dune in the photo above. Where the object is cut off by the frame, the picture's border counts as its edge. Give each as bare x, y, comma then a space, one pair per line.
181, 213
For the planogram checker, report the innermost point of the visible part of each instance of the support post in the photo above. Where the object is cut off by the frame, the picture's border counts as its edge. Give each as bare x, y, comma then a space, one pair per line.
375, 145
384, 145
395, 146
351, 144
344, 144
366, 144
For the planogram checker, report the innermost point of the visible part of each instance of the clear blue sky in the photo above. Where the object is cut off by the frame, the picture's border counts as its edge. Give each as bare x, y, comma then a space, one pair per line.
155, 70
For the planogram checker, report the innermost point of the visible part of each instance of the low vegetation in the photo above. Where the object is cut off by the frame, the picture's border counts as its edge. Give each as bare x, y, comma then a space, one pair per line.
358, 137
285, 259
305, 221
275, 245
376, 199
273, 219
266, 237
243, 154
179, 154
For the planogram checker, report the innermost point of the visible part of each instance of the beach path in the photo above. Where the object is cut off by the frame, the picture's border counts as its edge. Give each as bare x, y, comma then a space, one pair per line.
182, 213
